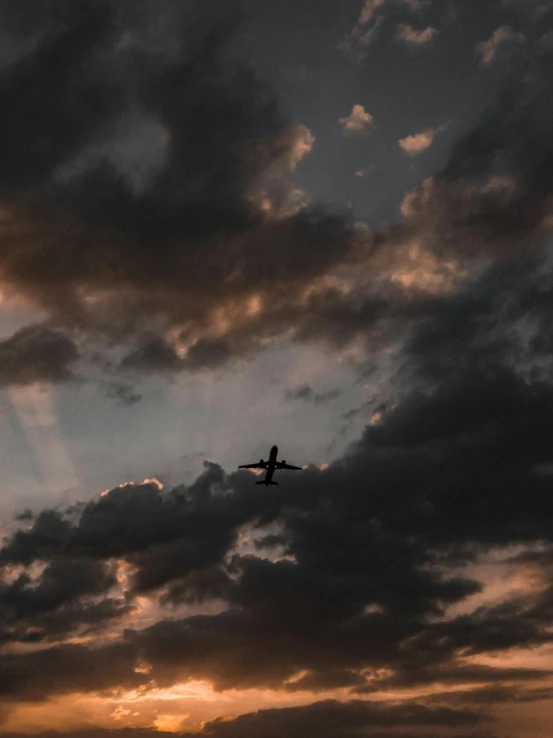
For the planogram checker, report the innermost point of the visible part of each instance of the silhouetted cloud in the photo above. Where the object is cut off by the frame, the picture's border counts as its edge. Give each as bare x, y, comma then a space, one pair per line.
122, 392
36, 354
305, 392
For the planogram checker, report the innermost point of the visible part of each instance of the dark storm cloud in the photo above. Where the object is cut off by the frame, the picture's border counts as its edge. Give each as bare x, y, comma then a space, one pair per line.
195, 237
182, 536
305, 392
36, 354
348, 719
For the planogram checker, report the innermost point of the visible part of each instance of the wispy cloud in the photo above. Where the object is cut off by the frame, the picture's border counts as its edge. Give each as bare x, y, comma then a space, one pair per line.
420, 142
372, 15
416, 37
487, 50
305, 392
364, 31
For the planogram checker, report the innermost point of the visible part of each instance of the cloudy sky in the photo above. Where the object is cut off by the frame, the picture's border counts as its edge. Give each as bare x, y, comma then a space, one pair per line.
326, 225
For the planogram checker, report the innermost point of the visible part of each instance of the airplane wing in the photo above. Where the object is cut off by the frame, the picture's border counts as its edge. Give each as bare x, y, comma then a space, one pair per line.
253, 466
288, 466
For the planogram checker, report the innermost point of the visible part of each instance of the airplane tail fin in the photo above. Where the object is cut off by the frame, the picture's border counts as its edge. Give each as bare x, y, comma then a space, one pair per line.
266, 483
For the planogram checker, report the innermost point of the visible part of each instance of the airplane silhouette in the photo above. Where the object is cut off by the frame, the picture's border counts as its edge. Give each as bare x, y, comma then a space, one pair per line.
271, 466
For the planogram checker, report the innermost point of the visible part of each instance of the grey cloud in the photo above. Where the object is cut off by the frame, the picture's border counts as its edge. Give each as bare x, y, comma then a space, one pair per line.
122, 392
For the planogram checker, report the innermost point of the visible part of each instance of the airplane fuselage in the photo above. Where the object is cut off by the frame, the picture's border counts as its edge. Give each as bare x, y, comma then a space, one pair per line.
271, 464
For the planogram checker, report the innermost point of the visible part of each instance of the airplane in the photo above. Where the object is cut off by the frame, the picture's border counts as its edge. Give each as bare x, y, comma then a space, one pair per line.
271, 466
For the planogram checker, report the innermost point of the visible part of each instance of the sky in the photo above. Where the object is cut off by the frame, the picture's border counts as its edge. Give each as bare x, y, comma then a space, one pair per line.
325, 225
